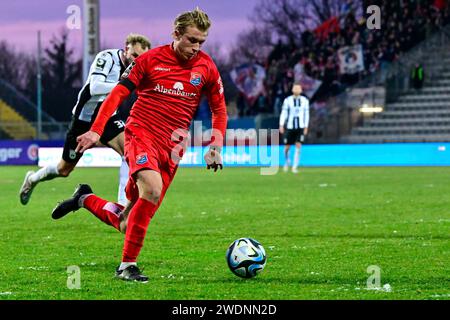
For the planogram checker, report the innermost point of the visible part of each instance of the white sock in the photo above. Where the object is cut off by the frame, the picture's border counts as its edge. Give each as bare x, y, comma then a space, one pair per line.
123, 180
288, 161
296, 158
46, 173
124, 265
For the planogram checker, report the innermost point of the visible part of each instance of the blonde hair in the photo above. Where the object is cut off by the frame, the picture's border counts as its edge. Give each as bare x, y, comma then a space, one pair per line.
134, 38
195, 18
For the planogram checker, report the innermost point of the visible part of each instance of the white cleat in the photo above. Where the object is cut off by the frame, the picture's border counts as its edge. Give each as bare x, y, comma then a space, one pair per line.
286, 168
294, 170
27, 189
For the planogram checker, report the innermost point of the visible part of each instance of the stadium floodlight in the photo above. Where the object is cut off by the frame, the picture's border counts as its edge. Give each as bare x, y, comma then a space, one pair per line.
365, 108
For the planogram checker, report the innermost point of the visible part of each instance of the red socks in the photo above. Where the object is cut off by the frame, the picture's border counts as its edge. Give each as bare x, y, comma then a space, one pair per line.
106, 211
138, 221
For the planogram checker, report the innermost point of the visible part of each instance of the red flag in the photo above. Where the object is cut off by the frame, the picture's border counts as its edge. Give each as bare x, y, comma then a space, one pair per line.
440, 4
331, 25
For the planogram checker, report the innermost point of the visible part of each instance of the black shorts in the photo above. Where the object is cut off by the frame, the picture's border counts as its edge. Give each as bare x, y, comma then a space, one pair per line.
292, 136
113, 128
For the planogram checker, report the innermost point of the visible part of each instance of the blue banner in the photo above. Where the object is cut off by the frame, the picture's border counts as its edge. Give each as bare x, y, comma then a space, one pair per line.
23, 152
388, 154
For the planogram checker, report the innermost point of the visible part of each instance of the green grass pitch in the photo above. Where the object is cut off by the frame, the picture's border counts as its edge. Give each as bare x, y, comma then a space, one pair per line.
321, 229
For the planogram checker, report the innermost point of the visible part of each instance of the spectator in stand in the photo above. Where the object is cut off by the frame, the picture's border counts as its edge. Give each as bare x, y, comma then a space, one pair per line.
417, 76
404, 25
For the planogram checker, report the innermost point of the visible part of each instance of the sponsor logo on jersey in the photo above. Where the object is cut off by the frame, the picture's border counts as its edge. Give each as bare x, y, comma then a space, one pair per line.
141, 159
100, 63
196, 78
162, 69
178, 86
174, 92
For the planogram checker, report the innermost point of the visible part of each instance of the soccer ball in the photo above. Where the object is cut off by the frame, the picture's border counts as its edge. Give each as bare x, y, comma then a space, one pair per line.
246, 257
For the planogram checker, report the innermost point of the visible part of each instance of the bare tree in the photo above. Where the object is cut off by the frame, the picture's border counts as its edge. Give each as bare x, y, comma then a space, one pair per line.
219, 55
252, 45
61, 77
286, 21
216, 51
60, 65
15, 68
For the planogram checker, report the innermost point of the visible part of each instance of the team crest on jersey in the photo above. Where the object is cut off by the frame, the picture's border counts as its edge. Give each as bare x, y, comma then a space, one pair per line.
196, 78
141, 159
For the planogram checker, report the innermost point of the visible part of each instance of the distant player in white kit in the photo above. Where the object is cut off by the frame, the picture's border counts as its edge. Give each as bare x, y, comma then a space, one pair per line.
104, 74
294, 121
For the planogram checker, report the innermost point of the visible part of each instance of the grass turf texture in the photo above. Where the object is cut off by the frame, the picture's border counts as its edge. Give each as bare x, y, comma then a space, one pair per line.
321, 229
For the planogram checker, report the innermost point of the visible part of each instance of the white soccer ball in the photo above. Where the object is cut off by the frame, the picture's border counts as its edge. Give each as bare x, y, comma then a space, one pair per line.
246, 257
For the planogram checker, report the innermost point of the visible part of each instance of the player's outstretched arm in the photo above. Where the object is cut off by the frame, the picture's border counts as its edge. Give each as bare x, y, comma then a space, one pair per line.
112, 102
218, 107
213, 157
86, 141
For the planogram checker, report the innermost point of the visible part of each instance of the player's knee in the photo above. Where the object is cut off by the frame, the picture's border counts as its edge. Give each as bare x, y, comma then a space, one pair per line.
123, 227
152, 194
65, 172
121, 149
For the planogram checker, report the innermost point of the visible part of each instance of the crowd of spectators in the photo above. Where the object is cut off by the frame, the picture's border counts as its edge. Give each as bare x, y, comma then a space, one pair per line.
403, 25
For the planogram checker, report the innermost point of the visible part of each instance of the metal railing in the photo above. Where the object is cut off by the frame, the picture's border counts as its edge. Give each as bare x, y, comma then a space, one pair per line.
52, 130
428, 53
22, 104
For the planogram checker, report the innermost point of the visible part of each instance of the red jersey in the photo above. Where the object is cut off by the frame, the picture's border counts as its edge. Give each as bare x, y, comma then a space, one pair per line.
169, 92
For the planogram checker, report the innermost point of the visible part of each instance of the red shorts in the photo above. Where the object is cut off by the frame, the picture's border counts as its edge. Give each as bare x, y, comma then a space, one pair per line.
144, 152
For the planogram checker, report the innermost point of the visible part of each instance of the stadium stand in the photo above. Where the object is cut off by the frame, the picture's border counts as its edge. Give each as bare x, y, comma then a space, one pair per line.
408, 28
14, 125
413, 115
18, 116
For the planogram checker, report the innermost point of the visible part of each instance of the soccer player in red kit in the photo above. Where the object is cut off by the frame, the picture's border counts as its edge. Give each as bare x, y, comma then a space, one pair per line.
169, 81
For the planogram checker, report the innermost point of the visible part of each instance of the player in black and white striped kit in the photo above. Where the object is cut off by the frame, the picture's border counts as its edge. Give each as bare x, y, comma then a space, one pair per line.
294, 121
104, 74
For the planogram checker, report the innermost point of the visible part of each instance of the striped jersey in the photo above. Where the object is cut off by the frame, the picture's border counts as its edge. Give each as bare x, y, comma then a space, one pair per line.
104, 74
295, 112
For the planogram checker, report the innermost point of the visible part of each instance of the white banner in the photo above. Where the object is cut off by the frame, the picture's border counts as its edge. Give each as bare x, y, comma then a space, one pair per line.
232, 156
249, 79
351, 59
309, 85
91, 34
105, 157
96, 157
